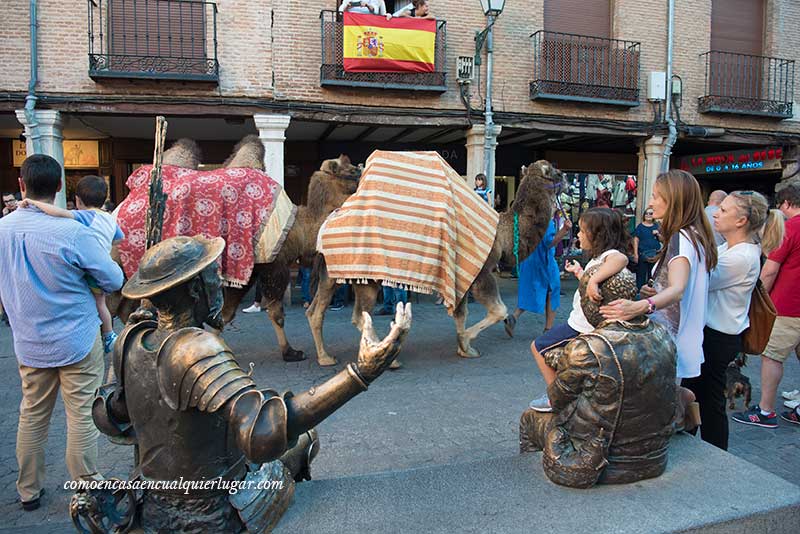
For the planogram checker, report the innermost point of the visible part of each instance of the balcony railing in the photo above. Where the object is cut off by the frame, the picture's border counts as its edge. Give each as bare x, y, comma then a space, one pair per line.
332, 71
748, 85
155, 39
585, 69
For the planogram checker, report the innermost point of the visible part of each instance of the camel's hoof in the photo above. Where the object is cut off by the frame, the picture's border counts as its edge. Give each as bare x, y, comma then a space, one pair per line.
395, 365
471, 353
326, 361
291, 355
510, 323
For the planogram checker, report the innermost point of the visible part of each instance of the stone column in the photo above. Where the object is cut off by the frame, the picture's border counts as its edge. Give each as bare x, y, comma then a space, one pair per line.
476, 146
651, 155
44, 135
272, 131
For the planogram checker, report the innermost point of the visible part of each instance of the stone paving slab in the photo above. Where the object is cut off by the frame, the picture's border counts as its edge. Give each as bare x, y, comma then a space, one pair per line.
439, 409
512, 494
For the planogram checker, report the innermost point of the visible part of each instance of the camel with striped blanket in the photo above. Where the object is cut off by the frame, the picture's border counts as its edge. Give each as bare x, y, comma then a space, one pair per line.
533, 209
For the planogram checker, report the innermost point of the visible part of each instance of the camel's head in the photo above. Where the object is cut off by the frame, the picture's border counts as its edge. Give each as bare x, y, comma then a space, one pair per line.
545, 173
534, 202
183, 153
345, 173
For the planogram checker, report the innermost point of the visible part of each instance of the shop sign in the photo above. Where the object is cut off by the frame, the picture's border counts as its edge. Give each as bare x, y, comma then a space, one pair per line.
766, 159
77, 154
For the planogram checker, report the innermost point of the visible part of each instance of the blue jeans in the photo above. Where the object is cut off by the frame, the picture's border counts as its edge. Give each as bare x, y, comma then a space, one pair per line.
393, 295
304, 274
340, 297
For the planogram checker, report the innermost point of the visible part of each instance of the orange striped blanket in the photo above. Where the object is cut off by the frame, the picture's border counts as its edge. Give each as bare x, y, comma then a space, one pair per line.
413, 223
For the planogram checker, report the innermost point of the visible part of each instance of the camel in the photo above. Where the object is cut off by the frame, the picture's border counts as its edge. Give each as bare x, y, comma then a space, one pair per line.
534, 206
329, 187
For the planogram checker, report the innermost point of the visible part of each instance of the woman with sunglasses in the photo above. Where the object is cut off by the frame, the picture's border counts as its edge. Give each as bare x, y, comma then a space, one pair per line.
742, 219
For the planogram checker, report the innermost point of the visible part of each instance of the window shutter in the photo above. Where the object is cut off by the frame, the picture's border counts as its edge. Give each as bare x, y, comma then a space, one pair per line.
737, 26
160, 28
582, 17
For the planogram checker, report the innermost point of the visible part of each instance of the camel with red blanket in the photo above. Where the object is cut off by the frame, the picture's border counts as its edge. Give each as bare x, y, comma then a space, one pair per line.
265, 234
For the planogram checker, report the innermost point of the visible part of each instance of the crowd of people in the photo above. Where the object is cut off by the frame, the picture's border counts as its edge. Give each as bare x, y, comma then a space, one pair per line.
699, 290
696, 269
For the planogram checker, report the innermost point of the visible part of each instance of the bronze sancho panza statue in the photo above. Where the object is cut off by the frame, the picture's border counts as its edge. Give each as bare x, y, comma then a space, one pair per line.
194, 414
614, 398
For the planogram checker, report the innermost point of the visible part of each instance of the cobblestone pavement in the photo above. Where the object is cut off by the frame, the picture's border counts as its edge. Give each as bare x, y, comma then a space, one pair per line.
438, 409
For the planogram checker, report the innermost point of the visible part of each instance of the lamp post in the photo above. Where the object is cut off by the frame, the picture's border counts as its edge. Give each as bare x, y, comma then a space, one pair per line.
492, 10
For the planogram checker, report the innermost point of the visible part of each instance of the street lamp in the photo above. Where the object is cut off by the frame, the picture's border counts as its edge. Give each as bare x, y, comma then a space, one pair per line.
492, 10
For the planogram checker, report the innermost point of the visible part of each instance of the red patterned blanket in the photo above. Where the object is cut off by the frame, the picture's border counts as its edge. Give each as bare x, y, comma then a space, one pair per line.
234, 204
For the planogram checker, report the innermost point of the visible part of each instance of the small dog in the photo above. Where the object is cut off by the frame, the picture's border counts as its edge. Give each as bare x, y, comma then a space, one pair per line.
737, 384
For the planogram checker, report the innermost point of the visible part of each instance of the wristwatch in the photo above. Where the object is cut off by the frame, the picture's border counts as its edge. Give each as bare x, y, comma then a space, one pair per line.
651, 306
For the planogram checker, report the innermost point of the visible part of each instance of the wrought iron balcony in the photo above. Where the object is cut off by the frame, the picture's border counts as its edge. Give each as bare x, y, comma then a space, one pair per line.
332, 71
585, 69
748, 85
154, 39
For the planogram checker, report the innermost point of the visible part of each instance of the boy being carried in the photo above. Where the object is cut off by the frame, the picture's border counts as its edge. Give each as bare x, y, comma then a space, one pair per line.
90, 194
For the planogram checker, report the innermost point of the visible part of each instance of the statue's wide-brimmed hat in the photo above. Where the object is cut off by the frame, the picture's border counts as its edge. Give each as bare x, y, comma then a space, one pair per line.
171, 263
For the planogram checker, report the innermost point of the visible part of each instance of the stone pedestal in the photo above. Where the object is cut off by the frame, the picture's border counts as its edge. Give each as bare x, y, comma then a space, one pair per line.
704, 490
476, 160
272, 131
44, 135
651, 157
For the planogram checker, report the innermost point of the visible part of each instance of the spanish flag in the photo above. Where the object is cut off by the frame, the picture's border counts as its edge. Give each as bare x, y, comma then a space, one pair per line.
374, 44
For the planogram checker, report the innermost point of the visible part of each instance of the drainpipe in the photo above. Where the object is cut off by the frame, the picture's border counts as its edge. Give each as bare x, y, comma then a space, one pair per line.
30, 100
673, 131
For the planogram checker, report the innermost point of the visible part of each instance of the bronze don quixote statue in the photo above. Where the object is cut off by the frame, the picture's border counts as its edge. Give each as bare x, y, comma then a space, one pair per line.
193, 414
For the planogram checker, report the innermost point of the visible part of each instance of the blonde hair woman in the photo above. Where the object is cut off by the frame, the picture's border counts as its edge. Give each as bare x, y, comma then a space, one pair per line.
743, 219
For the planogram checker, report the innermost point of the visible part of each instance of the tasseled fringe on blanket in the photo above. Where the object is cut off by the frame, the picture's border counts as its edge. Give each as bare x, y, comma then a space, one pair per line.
236, 284
389, 283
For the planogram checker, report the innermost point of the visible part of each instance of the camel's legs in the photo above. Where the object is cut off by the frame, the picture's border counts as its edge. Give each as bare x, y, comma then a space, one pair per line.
487, 293
366, 297
460, 316
275, 280
316, 314
233, 297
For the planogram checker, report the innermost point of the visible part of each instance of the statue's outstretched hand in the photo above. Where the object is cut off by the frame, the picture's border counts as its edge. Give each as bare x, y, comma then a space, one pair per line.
375, 355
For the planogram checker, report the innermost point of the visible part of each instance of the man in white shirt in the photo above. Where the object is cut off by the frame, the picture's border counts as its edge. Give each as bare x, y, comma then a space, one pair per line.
714, 200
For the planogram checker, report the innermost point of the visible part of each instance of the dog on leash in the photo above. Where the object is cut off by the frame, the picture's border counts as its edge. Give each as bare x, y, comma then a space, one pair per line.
737, 384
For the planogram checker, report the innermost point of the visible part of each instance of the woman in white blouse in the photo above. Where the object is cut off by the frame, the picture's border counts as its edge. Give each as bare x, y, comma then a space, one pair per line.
741, 220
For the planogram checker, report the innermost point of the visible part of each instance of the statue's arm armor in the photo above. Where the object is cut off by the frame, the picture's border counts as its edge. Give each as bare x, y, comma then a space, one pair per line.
109, 409
577, 365
265, 424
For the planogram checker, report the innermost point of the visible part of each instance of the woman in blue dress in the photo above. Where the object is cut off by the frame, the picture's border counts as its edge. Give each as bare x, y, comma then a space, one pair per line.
539, 286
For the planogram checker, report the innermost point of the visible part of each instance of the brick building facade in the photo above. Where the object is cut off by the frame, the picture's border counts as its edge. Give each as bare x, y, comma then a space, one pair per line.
267, 65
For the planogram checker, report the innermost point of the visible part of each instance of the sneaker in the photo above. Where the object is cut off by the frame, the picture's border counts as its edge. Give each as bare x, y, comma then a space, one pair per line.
791, 395
336, 307
108, 341
792, 404
754, 417
791, 416
542, 404
255, 308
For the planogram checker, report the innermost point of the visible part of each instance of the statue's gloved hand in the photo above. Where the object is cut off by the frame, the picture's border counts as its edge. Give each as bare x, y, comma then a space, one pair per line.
142, 314
375, 355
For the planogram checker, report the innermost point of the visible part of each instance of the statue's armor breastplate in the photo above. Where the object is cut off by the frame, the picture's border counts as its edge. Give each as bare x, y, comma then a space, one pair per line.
174, 441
